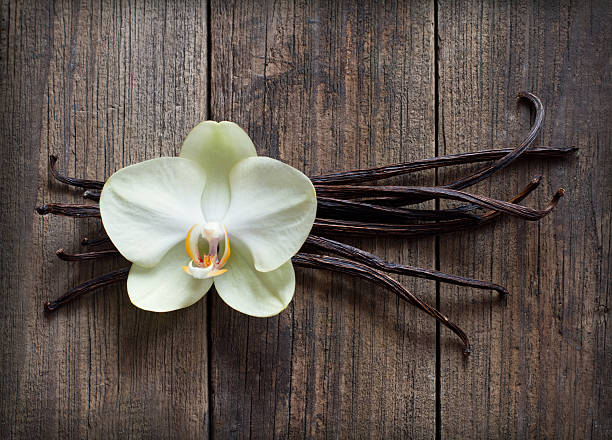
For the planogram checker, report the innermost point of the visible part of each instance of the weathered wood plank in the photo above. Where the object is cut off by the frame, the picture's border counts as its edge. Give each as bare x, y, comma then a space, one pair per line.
328, 86
101, 86
541, 364
323, 87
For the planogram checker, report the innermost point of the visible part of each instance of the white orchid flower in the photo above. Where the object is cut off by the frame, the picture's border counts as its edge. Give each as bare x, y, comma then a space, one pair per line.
217, 214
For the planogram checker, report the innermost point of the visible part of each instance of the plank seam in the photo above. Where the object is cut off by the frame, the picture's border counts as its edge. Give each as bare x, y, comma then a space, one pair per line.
438, 399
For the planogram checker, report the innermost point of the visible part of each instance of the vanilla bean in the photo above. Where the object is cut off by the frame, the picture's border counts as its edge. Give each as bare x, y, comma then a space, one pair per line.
369, 174
392, 202
86, 255
532, 185
95, 242
344, 250
92, 194
88, 286
363, 271
491, 215
359, 210
361, 229
324, 226
513, 155
506, 160
69, 210
81, 183
489, 170
384, 172
441, 193
402, 202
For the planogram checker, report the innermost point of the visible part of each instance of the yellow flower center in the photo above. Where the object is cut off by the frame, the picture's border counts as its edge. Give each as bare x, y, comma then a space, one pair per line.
203, 243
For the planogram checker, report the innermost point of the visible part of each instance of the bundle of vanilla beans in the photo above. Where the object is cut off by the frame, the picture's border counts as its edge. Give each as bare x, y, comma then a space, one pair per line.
347, 206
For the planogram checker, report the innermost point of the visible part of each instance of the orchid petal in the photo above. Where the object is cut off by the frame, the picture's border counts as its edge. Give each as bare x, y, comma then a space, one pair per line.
255, 293
166, 287
217, 147
273, 207
147, 208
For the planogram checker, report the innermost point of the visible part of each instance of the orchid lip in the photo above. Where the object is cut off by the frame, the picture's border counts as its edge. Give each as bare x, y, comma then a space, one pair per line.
207, 265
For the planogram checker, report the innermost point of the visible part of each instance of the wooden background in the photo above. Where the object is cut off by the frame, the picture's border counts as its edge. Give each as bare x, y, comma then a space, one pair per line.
322, 85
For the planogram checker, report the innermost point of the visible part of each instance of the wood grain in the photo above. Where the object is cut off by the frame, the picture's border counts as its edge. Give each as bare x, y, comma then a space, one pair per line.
541, 364
327, 86
323, 86
101, 86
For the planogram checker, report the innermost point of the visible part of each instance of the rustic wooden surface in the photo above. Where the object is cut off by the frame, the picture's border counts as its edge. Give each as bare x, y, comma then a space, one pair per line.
542, 366
326, 87
323, 86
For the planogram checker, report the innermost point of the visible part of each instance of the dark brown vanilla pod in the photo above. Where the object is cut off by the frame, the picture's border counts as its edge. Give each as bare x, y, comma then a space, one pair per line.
397, 201
403, 202
528, 189
73, 181
363, 271
366, 174
387, 171
331, 227
358, 210
499, 164
69, 210
320, 244
88, 286
514, 154
355, 192
86, 255
327, 226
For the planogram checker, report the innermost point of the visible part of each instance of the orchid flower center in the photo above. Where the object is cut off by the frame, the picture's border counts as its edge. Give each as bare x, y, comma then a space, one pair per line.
203, 243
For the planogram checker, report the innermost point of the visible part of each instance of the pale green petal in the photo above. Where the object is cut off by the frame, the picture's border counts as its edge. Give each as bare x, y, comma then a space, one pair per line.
273, 207
166, 287
147, 208
217, 147
255, 293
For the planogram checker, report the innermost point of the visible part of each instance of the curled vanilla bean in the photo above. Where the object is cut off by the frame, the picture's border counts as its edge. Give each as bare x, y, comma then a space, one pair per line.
86, 255
501, 162
384, 172
484, 173
520, 211
95, 242
344, 250
363, 271
88, 286
80, 183
513, 155
69, 210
